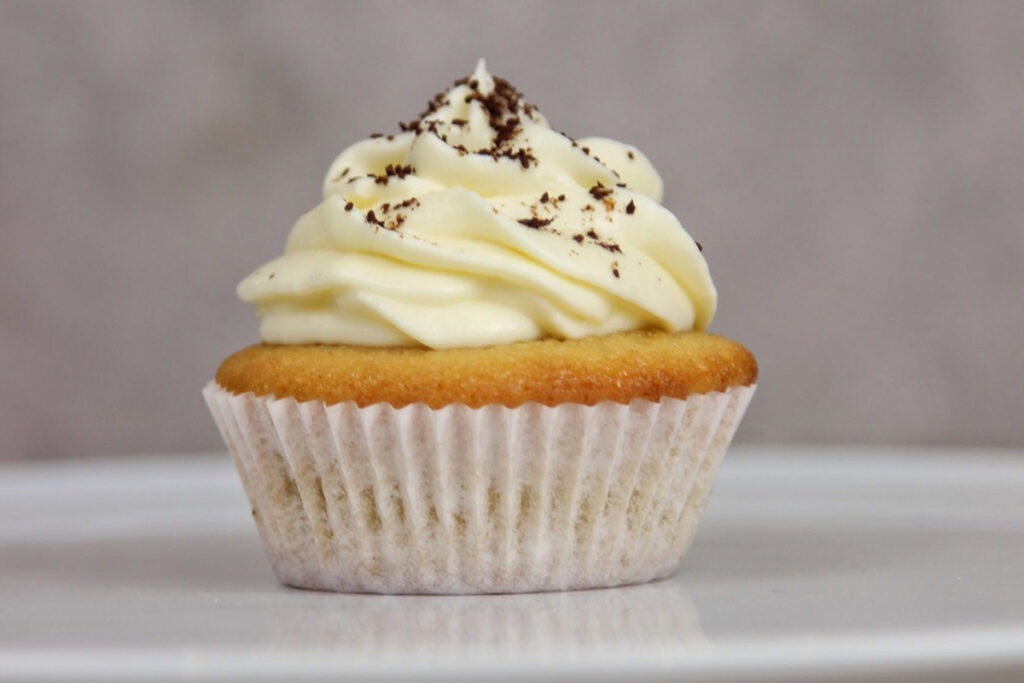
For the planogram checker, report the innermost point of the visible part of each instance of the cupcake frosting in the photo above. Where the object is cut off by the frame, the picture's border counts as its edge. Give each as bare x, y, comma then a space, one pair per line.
478, 224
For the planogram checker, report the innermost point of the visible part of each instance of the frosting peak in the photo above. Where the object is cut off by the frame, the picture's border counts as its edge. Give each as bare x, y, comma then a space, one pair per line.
477, 224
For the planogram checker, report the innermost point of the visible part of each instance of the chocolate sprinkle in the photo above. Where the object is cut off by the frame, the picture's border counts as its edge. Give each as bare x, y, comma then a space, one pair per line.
578, 237
506, 131
400, 171
391, 170
599, 191
700, 247
348, 207
630, 154
505, 110
534, 222
406, 203
544, 198
504, 107
631, 207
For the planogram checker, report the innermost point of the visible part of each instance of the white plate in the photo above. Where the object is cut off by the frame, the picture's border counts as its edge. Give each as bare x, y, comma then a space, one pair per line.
811, 564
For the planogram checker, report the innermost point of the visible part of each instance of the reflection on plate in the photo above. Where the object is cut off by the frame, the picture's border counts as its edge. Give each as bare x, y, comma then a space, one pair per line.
649, 615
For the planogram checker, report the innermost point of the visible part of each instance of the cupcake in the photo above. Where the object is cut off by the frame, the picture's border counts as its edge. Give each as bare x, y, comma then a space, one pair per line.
484, 365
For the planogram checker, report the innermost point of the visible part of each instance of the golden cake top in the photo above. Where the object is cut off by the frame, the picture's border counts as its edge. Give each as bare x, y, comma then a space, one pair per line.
617, 367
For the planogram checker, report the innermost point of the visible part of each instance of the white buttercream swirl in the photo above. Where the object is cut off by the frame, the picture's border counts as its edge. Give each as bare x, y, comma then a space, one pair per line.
440, 236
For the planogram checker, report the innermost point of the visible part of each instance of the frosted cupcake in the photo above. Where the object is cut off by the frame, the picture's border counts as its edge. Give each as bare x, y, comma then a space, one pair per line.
483, 365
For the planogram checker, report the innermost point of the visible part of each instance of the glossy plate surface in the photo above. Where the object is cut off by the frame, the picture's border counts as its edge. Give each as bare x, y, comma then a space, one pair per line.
811, 564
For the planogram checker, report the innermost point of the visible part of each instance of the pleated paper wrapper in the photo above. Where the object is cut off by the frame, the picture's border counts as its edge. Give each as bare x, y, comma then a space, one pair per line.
476, 500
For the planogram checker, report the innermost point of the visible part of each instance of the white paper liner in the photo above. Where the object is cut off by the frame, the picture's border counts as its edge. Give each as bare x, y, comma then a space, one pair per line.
476, 500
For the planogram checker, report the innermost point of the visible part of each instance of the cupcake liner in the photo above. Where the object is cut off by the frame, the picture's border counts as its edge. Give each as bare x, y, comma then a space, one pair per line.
476, 500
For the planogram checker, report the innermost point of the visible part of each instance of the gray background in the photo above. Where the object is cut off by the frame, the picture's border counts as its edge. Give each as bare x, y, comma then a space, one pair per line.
855, 172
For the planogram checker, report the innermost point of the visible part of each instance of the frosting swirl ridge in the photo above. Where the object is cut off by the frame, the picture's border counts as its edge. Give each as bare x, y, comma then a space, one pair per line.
478, 224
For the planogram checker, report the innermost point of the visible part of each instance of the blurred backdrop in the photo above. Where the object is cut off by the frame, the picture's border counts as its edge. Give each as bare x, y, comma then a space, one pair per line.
855, 172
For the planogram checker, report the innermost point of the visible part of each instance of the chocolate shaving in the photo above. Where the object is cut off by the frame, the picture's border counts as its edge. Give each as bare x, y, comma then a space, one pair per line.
578, 237
504, 107
506, 131
700, 247
544, 198
609, 245
391, 171
400, 171
599, 191
631, 207
348, 206
629, 153
523, 156
534, 222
